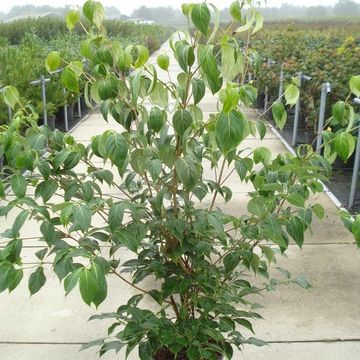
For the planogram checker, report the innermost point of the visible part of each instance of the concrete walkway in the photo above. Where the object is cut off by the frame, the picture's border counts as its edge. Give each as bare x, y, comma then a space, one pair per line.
322, 323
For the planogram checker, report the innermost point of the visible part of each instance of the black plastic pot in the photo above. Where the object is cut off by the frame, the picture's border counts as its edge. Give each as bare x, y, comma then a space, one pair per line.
260, 101
339, 165
84, 107
310, 138
51, 122
60, 117
291, 119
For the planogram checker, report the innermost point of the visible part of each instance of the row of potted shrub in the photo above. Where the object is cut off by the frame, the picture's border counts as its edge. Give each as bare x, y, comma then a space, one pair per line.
325, 52
22, 62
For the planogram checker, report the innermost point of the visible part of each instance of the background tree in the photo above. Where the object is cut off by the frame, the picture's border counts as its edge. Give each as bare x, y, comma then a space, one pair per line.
317, 11
346, 8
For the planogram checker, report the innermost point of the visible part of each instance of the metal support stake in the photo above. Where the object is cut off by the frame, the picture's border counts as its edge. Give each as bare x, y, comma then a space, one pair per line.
79, 108
266, 98
42, 81
281, 87
297, 114
66, 113
355, 176
325, 89
9, 113
43, 94
250, 77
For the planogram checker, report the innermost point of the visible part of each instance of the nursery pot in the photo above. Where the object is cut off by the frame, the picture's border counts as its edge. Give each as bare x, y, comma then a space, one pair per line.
310, 138
84, 107
341, 165
291, 119
260, 101
51, 120
60, 117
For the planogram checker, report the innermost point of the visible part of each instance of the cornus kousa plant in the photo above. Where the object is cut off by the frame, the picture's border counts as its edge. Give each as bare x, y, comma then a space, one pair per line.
166, 235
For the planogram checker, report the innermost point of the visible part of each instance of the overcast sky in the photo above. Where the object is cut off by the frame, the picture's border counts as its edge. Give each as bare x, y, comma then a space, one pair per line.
126, 6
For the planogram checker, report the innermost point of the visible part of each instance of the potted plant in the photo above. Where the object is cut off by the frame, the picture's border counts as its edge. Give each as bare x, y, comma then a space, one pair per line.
173, 162
50, 110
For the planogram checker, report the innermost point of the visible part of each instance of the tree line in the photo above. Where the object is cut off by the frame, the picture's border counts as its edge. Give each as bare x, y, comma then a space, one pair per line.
169, 15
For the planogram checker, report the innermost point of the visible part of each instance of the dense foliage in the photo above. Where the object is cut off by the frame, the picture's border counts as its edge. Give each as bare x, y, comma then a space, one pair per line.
170, 161
324, 51
25, 44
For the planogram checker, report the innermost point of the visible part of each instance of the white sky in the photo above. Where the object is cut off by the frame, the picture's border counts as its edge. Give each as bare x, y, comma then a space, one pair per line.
126, 6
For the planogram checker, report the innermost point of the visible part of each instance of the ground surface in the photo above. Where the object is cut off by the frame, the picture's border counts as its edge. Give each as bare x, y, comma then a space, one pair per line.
319, 324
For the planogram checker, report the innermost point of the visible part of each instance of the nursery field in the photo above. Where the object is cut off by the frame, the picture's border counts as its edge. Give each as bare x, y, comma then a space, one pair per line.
324, 53
24, 44
187, 215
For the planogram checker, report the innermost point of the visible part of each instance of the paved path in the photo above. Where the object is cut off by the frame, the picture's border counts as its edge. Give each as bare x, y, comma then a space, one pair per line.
319, 324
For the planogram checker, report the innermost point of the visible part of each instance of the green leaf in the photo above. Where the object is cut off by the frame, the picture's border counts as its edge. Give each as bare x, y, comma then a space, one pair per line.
160, 95
296, 229
94, 12
242, 167
257, 207
355, 229
185, 55
198, 90
246, 324
143, 56
163, 61
256, 342
93, 286
116, 216
77, 67
235, 11
72, 18
145, 351
200, 16
7, 272
231, 261
46, 189
230, 129
355, 85
53, 61
292, 94
231, 62
19, 222
279, 114
210, 68
319, 211
303, 282
70, 80
11, 96
82, 217
296, 199
344, 144
262, 155
187, 172
182, 120
154, 167
261, 129
72, 279
231, 100
135, 84
157, 119
339, 111
18, 185
259, 23
37, 280
113, 146
129, 239
15, 280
